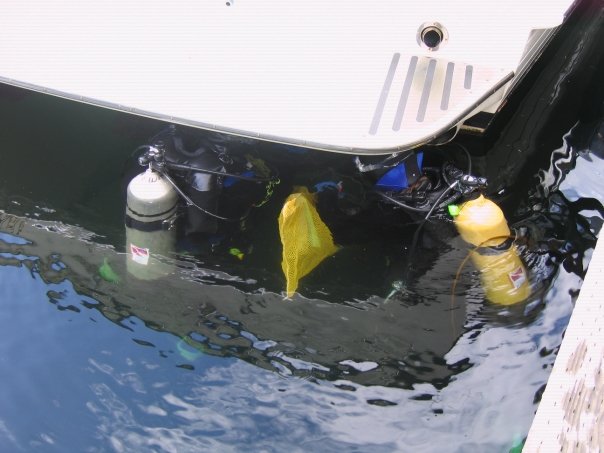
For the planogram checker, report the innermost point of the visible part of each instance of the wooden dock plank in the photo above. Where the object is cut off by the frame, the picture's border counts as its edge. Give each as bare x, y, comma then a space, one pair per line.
570, 417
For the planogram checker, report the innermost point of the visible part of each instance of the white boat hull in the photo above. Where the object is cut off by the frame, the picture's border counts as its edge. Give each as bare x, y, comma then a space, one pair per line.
339, 76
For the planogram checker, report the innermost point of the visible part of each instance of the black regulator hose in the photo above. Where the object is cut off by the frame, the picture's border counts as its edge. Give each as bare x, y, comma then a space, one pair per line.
400, 203
190, 202
183, 167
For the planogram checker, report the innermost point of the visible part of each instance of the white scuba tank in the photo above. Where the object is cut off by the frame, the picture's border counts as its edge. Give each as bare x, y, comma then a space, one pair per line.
150, 225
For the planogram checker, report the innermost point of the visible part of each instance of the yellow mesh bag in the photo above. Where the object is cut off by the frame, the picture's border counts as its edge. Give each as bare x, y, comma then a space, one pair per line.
306, 239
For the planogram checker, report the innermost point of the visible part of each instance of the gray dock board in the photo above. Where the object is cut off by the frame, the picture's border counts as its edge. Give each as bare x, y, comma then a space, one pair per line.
570, 416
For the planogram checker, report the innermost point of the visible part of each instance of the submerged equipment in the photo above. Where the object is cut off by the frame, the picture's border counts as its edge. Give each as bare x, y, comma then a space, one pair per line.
151, 206
481, 222
201, 187
202, 168
107, 273
305, 238
419, 189
185, 179
402, 175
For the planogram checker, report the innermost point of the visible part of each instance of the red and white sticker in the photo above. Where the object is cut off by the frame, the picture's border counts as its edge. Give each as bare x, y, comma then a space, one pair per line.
517, 277
139, 254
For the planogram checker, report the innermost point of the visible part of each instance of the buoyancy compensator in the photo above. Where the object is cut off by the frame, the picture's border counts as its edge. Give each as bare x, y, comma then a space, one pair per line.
202, 187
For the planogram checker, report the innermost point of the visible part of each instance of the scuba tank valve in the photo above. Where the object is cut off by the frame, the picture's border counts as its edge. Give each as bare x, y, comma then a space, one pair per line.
503, 275
150, 217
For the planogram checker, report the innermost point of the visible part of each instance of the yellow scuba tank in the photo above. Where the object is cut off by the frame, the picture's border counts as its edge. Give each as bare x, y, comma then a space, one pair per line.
504, 278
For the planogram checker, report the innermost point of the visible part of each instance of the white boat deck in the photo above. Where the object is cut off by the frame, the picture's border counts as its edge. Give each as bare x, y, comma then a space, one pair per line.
570, 416
334, 75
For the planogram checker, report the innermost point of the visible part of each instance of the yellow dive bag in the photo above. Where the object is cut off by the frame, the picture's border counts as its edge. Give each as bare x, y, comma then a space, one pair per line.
305, 238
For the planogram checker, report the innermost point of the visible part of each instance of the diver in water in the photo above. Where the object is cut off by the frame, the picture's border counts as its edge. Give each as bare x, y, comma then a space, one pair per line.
218, 180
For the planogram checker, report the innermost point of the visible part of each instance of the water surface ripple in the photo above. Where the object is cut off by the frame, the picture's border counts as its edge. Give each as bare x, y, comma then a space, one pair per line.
213, 359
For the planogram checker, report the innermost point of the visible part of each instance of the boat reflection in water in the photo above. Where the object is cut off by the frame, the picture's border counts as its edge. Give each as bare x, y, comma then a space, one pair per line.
397, 338
376, 341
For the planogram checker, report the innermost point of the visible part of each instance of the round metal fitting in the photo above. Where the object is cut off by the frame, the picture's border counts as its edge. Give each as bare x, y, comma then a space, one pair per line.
432, 36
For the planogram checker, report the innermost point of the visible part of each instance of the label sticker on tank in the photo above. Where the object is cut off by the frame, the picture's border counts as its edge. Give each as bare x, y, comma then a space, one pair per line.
139, 254
517, 277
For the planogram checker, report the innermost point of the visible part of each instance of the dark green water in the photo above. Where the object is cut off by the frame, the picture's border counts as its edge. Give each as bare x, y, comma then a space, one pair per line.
213, 358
